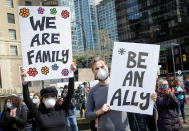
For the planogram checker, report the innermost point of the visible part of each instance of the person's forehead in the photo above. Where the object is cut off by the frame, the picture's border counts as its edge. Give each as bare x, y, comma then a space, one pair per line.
99, 63
35, 96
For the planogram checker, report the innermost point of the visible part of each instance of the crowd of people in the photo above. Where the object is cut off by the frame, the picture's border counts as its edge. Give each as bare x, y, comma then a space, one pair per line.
45, 111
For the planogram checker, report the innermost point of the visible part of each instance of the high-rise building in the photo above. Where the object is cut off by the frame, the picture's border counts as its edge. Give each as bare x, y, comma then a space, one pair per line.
157, 22
107, 21
107, 25
10, 47
70, 3
86, 20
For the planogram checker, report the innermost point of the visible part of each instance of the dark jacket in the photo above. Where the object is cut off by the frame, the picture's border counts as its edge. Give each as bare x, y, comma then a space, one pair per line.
50, 119
71, 107
168, 119
14, 123
142, 122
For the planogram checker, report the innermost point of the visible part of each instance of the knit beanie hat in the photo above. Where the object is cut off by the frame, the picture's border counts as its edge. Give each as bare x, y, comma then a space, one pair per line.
48, 91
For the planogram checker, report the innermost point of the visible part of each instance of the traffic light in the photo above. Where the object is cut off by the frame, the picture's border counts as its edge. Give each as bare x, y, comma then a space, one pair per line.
184, 57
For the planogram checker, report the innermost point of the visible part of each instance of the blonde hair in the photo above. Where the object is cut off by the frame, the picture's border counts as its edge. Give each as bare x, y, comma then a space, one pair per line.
160, 83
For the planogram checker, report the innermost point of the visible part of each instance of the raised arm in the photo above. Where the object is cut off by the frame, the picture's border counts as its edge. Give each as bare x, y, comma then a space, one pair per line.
69, 95
31, 106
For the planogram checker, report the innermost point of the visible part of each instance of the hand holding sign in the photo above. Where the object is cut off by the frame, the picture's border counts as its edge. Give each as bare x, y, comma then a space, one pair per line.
23, 75
103, 109
133, 76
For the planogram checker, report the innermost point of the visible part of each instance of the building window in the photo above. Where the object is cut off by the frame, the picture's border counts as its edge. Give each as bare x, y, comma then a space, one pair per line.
28, 3
13, 50
12, 34
0, 78
9, 3
10, 18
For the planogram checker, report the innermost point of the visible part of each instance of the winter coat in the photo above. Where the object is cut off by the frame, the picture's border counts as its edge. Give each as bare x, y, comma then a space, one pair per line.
50, 119
72, 105
142, 122
168, 119
17, 123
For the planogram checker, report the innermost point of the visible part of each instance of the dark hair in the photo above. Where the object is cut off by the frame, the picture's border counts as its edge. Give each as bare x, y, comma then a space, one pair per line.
14, 100
96, 60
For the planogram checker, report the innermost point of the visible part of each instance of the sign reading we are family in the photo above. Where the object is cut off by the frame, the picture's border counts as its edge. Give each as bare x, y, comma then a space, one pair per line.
133, 77
46, 42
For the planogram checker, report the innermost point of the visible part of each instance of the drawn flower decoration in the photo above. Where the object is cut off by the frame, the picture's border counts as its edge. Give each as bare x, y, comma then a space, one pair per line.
32, 72
65, 14
45, 70
121, 51
55, 67
24, 12
40, 10
65, 72
53, 11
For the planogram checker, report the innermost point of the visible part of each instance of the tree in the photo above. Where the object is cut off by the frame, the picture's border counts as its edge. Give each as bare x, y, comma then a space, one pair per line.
105, 45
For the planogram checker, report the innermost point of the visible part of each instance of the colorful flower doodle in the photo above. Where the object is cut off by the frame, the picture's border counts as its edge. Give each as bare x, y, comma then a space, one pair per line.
53, 11
24, 12
55, 67
65, 14
45, 70
32, 72
40, 10
65, 72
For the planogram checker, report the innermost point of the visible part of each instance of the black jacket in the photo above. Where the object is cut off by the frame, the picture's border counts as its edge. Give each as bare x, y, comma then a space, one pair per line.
50, 119
142, 122
168, 119
14, 123
71, 107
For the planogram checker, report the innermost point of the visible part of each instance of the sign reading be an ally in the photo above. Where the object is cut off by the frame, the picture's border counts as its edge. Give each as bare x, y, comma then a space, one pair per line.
46, 42
133, 77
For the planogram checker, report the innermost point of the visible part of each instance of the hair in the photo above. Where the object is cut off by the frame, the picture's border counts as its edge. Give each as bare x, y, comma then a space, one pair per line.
160, 82
96, 60
37, 94
14, 100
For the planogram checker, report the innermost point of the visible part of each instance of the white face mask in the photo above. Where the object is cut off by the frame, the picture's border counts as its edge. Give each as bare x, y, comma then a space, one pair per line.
102, 74
35, 101
50, 102
31, 97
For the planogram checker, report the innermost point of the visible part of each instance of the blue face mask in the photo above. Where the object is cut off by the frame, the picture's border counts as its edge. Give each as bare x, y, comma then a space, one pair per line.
9, 105
164, 87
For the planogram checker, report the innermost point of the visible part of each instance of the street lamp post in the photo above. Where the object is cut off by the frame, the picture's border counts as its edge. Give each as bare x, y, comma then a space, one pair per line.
173, 58
180, 54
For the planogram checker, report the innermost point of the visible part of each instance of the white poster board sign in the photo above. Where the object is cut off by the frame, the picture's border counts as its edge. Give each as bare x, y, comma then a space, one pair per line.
133, 77
46, 42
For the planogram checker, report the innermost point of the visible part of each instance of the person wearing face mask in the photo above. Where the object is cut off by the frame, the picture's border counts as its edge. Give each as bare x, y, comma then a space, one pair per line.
13, 117
180, 94
31, 119
167, 103
50, 116
108, 120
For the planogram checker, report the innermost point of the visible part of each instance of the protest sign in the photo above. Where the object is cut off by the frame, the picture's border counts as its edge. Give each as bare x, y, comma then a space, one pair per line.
133, 77
46, 42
